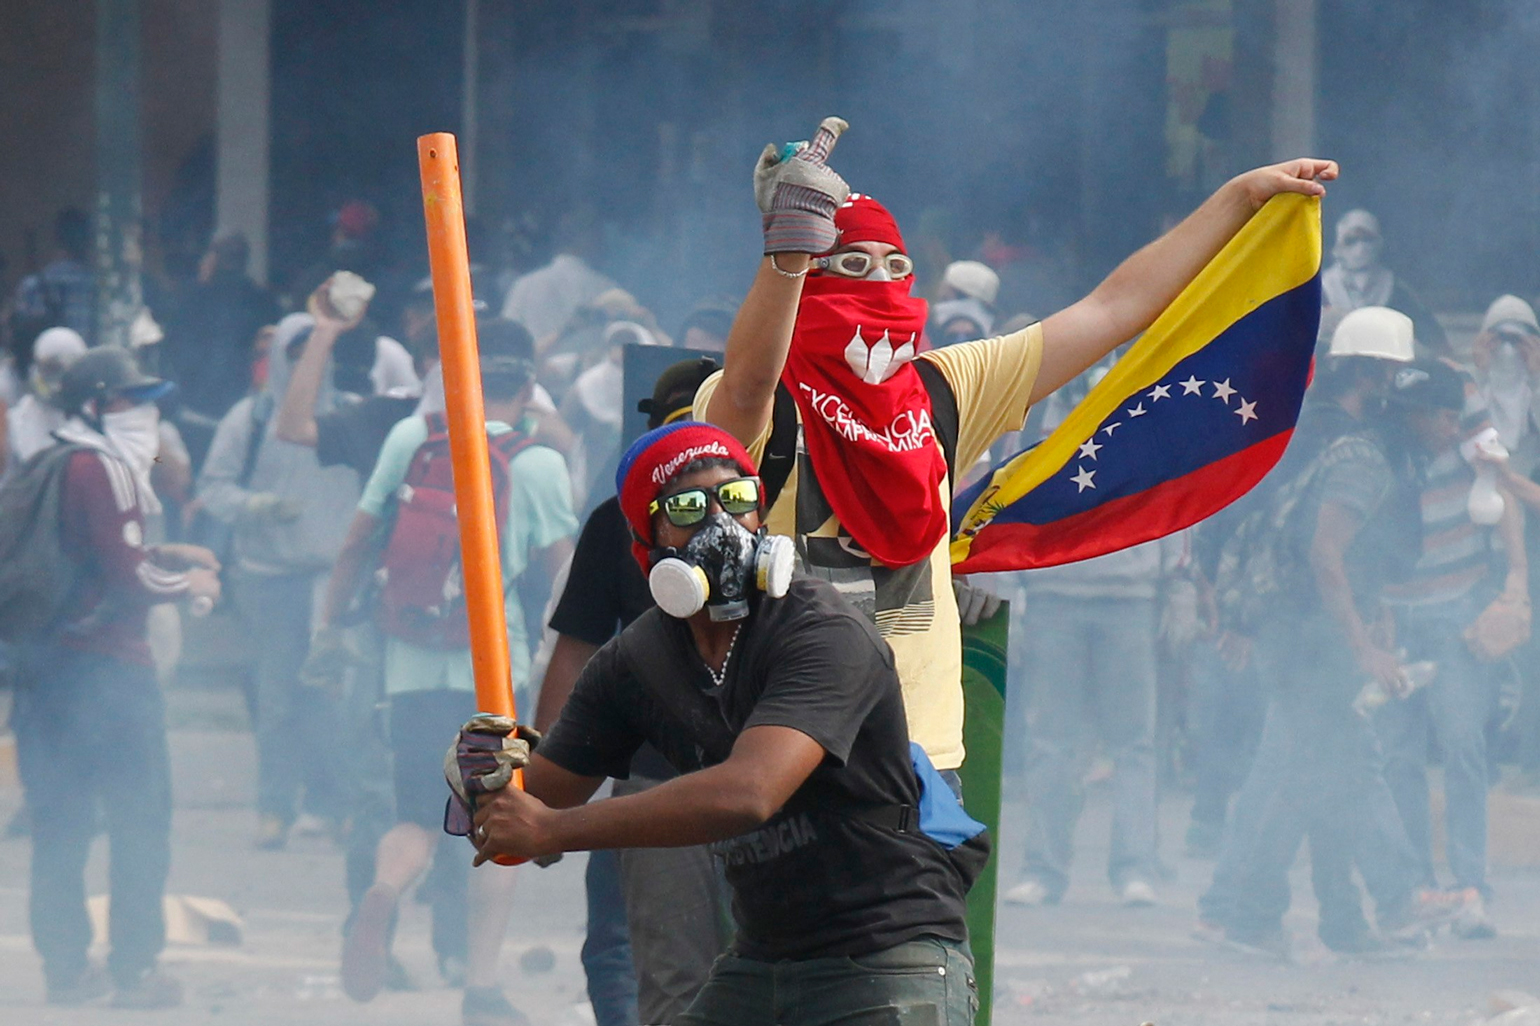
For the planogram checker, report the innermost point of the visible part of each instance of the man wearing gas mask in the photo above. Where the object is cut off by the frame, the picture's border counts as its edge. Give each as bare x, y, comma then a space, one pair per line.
778, 702
1358, 277
823, 381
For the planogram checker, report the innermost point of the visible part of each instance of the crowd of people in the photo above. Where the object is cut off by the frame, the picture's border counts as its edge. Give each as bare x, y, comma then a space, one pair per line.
281, 457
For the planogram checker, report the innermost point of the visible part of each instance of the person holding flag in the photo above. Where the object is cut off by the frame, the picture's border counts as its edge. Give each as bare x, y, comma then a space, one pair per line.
859, 434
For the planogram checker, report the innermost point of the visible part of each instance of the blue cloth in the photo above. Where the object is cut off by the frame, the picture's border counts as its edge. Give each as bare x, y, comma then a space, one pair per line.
942, 816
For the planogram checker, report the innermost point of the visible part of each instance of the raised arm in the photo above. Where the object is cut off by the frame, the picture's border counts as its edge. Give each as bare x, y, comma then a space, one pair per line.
797, 195
757, 347
296, 416
1132, 296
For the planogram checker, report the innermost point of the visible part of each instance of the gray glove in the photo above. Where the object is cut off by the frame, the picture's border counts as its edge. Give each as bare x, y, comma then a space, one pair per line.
798, 193
974, 601
267, 508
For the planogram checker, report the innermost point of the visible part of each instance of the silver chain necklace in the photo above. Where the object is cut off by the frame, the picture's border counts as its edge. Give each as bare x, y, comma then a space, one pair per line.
718, 676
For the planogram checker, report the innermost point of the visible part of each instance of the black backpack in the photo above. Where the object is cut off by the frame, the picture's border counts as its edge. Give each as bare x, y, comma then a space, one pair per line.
37, 576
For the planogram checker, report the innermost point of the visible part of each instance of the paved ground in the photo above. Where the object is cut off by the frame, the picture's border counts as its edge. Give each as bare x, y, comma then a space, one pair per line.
1087, 961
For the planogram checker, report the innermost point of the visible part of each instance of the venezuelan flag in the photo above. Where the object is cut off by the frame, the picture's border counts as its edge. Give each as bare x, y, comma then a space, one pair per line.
1194, 415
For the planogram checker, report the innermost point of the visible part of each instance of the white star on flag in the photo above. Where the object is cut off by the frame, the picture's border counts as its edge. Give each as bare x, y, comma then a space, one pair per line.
1110, 428
1159, 392
1223, 391
1192, 386
1137, 411
1247, 412
1083, 479
1090, 447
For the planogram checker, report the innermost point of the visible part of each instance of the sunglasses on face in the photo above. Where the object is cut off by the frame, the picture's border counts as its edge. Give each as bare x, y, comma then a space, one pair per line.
858, 264
689, 507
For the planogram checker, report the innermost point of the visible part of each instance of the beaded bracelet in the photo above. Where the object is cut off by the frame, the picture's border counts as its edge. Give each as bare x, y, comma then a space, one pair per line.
787, 274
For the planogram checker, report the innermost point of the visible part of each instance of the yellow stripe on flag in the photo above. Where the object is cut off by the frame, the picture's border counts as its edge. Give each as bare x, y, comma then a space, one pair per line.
1277, 250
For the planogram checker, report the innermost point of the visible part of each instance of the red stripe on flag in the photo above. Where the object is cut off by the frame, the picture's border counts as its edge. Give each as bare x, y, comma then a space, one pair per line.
1167, 507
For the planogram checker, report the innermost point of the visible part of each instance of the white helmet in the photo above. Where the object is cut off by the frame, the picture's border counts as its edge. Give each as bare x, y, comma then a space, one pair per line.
1375, 331
1511, 312
973, 279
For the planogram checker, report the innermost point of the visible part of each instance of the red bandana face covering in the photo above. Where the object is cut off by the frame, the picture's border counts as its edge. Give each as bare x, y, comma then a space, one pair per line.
866, 416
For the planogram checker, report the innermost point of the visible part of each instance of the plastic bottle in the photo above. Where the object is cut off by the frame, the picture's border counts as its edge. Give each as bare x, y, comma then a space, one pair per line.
1373, 694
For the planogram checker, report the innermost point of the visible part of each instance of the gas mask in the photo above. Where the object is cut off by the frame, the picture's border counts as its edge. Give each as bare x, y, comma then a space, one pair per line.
718, 568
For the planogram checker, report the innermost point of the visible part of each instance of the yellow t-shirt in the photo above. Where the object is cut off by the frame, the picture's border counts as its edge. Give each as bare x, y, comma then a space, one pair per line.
913, 606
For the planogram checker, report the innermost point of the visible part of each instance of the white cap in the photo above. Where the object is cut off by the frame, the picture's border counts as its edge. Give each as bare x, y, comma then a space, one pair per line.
971, 309
1511, 311
1358, 220
1375, 331
58, 344
972, 278
639, 334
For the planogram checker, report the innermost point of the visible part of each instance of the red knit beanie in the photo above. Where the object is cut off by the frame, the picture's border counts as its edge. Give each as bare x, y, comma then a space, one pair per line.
863, 219
659, 455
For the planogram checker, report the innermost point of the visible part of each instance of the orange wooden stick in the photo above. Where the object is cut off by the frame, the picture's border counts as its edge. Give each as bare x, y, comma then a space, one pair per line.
449, 262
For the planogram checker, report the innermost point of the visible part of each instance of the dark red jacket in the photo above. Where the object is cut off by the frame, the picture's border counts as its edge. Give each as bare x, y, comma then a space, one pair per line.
104, 531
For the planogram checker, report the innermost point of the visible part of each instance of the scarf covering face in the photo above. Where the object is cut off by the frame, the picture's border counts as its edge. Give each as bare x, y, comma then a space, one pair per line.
866, 418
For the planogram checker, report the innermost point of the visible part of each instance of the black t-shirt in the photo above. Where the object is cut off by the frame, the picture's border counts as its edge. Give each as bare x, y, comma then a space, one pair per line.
354, 435
814, 881
605, 592
605, 587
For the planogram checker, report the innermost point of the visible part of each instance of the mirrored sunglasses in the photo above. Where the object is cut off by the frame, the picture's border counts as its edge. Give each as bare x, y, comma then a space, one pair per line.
689, 507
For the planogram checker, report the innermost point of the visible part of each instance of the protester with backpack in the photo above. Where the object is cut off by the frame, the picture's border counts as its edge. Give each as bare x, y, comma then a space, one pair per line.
778, 703
1306, 582
288, 515
76, 583
406, 522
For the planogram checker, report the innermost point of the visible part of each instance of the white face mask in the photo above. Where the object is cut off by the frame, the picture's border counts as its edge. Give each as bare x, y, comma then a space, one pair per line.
135, 433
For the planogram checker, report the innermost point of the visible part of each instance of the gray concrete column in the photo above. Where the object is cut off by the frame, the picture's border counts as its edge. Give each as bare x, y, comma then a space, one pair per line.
119, 169
245, 71
1295, 61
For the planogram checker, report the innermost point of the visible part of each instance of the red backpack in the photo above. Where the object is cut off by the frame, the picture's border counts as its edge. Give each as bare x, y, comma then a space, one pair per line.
422, 597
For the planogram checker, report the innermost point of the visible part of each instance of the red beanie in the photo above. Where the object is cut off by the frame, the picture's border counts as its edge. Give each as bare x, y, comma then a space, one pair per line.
863, 219
657, 456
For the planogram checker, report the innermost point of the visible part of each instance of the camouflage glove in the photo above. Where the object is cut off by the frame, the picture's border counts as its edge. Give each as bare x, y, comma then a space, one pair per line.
797, 193
482, 760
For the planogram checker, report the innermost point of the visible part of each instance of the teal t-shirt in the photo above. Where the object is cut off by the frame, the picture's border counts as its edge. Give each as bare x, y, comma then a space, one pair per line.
539, 514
